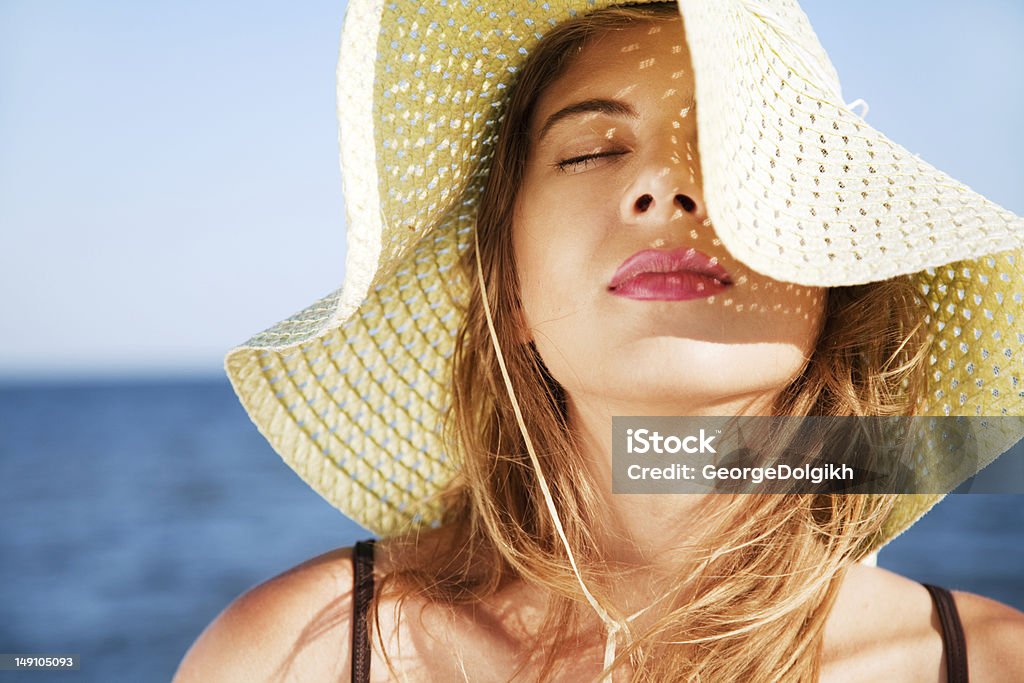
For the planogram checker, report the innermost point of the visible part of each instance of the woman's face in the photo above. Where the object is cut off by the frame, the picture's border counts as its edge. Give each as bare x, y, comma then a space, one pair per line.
627, 293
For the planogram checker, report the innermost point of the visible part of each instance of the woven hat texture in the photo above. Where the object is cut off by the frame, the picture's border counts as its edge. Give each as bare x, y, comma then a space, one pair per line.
350, 391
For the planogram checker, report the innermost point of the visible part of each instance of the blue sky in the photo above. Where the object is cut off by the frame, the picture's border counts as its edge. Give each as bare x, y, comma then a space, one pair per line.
169, 181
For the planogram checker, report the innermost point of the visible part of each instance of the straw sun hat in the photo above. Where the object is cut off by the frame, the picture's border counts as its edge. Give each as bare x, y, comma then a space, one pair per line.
350, 390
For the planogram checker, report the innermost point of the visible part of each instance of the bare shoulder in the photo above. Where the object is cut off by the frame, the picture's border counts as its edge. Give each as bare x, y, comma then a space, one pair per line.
886, 625
995, 638
295, 626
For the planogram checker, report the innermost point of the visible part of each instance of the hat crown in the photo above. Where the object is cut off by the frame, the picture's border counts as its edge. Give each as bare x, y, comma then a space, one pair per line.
794, 33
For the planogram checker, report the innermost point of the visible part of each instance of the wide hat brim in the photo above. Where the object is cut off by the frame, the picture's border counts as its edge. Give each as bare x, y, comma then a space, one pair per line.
351, 390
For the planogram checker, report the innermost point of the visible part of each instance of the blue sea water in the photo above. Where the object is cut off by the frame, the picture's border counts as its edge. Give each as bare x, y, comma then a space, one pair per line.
132, 513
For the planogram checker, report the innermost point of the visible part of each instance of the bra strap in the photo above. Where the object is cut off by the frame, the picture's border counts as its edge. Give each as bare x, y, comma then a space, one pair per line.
362, 594
953, 640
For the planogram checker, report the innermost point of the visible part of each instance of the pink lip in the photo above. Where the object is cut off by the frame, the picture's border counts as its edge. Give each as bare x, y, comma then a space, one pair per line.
669, 275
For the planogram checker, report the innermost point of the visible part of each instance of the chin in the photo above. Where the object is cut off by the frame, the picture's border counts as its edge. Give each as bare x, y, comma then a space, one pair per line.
691, 374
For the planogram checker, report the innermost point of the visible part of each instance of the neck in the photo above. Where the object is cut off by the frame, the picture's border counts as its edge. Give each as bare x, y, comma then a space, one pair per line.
646, 530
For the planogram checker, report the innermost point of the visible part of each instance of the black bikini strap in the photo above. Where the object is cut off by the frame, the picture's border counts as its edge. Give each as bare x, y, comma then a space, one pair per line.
952, 634
362, 593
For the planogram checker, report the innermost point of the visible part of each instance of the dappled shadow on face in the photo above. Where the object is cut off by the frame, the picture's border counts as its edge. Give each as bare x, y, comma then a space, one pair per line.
614, 170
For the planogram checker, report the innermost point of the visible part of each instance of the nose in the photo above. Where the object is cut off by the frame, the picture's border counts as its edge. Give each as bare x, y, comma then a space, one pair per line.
665, 189
646, 202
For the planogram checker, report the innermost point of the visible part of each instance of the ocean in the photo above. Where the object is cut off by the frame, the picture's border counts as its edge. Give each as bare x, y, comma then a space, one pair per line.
134, 512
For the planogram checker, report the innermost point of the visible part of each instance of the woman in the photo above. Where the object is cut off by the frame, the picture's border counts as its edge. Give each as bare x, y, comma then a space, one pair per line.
597, 262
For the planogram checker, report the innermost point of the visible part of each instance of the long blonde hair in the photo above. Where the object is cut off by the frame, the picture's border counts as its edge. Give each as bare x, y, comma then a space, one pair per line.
722, 618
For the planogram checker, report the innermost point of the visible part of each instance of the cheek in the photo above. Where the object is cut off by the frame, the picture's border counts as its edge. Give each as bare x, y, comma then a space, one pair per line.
804, 329
814, 318
801, 328
778, 311
549, 263
545, 278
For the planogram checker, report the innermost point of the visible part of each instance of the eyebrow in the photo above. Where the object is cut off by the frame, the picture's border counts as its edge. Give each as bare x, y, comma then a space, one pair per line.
596, 106
591, 106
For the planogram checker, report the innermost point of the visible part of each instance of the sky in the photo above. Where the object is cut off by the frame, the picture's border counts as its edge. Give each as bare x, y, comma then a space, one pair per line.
169, 180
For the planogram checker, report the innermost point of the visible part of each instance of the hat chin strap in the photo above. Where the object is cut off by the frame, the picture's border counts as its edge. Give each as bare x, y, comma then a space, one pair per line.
613, 626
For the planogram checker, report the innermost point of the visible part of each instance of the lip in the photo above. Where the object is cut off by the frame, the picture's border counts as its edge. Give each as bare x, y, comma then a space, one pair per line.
669, 275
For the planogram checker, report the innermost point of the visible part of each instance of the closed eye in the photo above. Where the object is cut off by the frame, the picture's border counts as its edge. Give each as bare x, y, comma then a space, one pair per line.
583, 162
